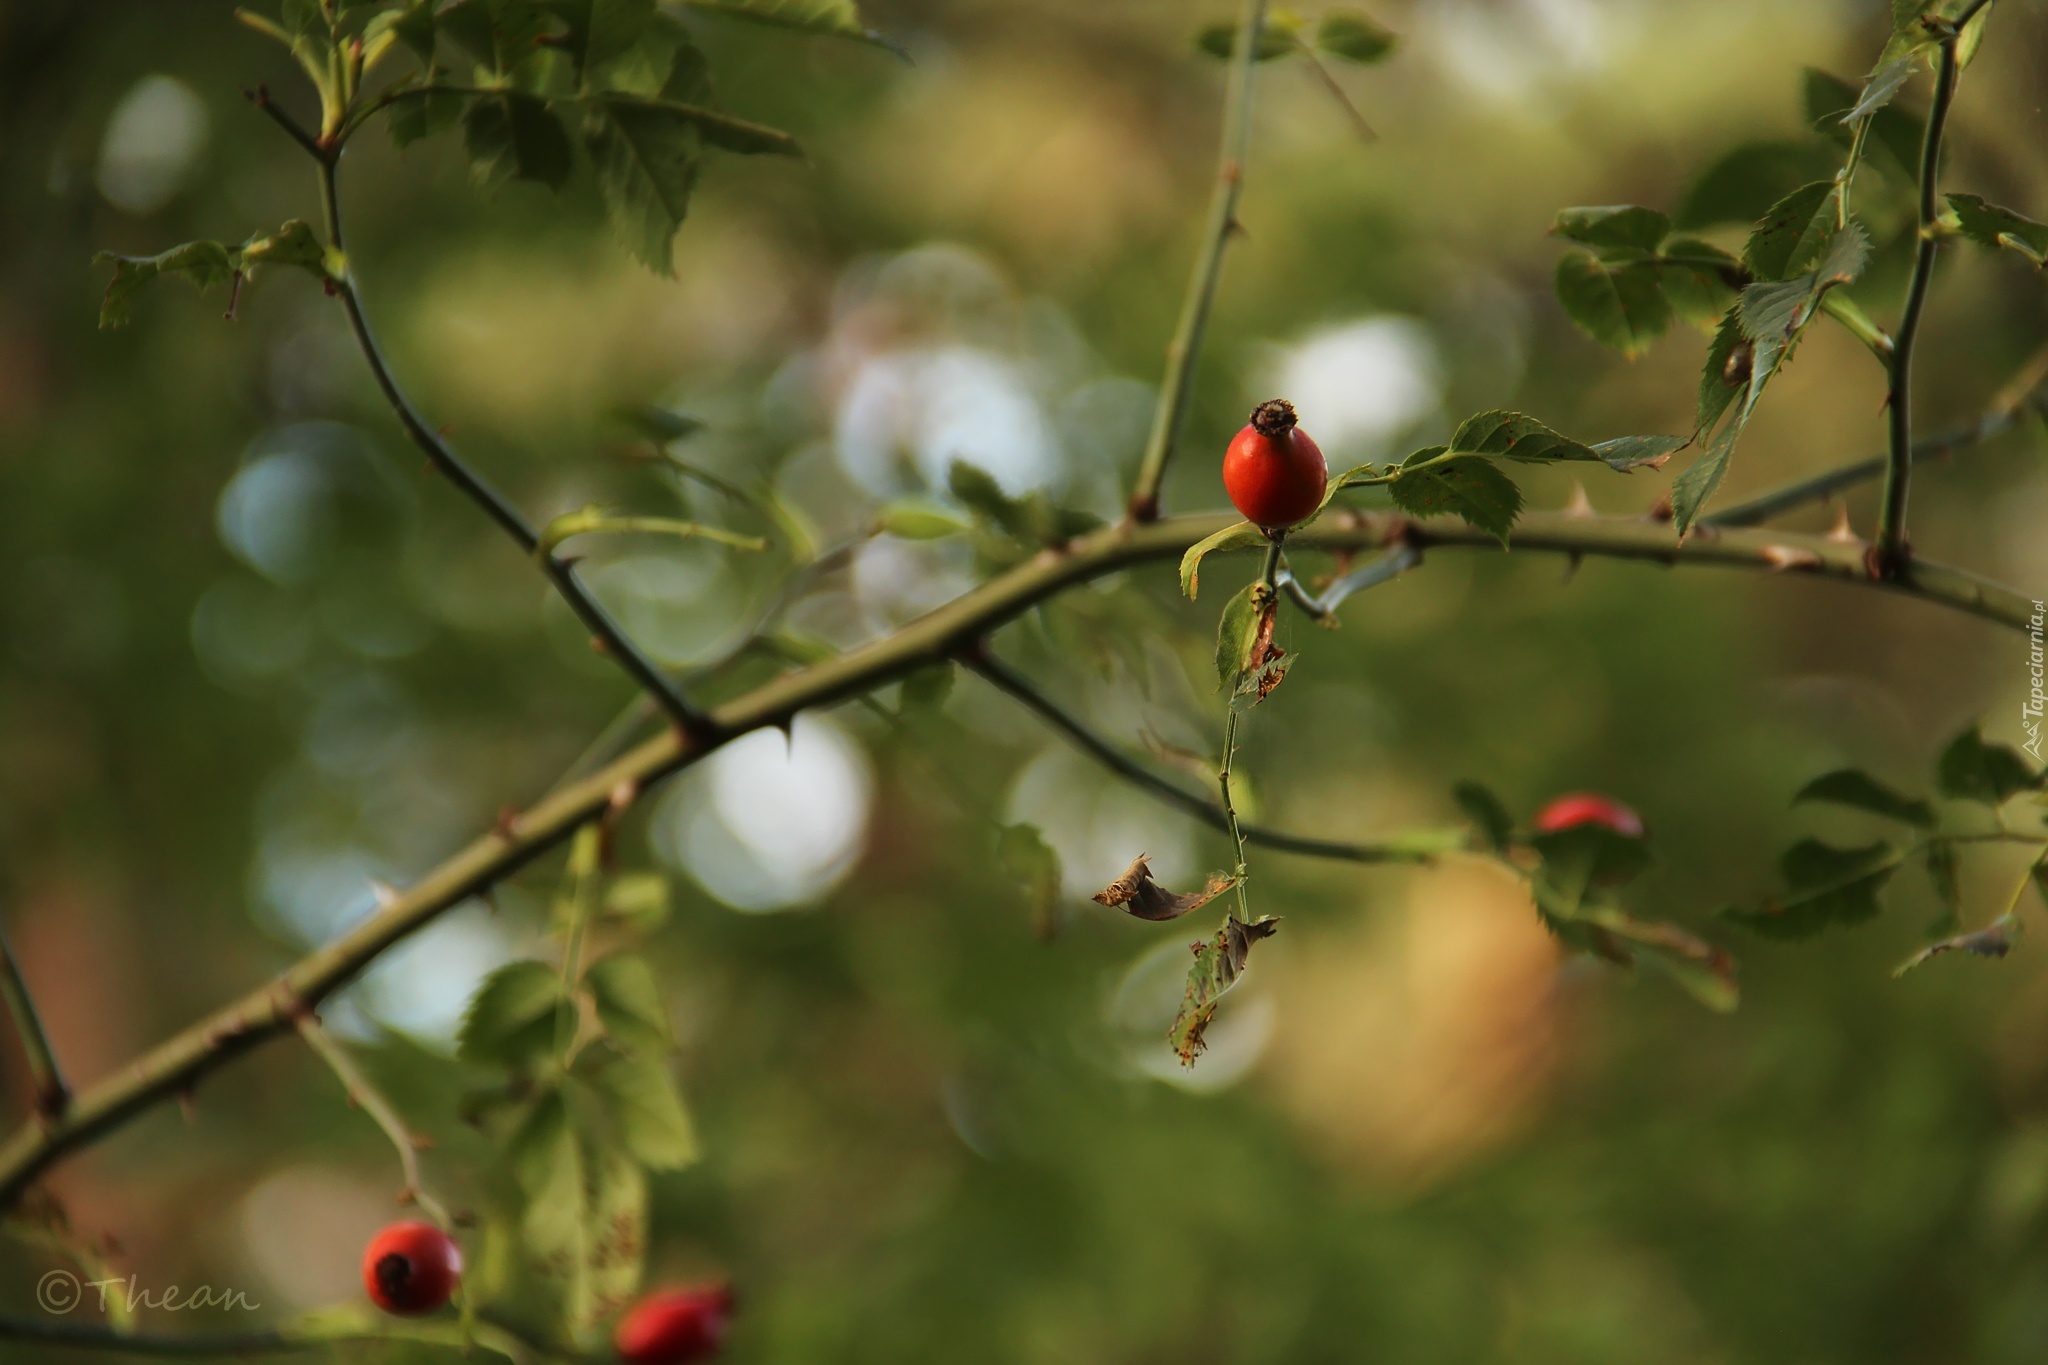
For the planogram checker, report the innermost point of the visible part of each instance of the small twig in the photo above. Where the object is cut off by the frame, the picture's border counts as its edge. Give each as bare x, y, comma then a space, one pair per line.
1185, 351
363, 1093
46, 1078
1336, 91
260, 97
1889, 554
1385, 569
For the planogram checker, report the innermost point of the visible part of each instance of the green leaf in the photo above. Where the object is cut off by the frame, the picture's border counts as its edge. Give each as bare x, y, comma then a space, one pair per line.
1859, 790
422, 113
1488, 816
1827, 886
1989, 225
641, 1099
1516, 436
1616, 305
413, 25
1355, 36
1625, 453
503, 36
600, 32
1468, 486
1695, 487
928, 688
1618, 225
514, 136
1971, 770
1704, 972
1279, 36
1775, 311
1219, 962
1894, 133
1237, 631
1942, 875
1235, 537
1716, 393
1884, 83
1794, 232
205, 264
1993, 940
1583, 858
583, 1230
638, 901
1745, 181
628, 1001
1696, 283
919, 521
593, 521
511, 1020
835, 18
1027, 859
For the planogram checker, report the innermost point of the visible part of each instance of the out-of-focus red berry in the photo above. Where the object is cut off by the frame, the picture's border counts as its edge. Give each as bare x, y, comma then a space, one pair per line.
411, 1268
674, 1326
1588, 808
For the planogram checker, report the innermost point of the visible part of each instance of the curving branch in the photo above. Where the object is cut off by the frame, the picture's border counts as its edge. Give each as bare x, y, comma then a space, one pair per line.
46, 1078
1185, 351
178, 1063
366, 1096
1020, 689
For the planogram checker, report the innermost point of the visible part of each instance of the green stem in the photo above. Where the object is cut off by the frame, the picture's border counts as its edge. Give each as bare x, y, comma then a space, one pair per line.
1267, 598
1185, 351
46, 1078
173, 1066
365, 1095
1891, 551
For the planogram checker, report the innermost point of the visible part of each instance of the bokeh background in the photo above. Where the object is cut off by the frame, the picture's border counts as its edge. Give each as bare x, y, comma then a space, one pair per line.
254, 658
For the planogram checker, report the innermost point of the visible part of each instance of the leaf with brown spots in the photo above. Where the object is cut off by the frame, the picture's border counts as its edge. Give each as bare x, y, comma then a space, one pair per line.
1135, 893
1219, 961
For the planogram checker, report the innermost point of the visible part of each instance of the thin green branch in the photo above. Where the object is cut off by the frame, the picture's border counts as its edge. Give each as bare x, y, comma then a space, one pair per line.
363, 1093
1184, 353
561, 572
1267, 601
1890, 554
46, 1078
1021, 689
173, 1066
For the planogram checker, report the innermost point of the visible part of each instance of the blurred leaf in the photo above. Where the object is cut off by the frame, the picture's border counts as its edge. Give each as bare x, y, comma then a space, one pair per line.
628, 1000
1855, 788
1993, 940
514, 136
1468, 486
1794, 232
659, 424
1704, 972
413, 25
1884, 82
1583, 857
1280, 35
1989, 225
646, 158
1745, 181
1031, 519
1695, 283
599, 31
207, 264
503, 36
1027, 859
1355, 36
1894, 133
919, 521
422, 113
836, 18
1136, 894
1234, 537
511, 1020
1617, 225
1827, 886
641, 1099
583, 1232
638, 900
928, 688
1219, 962
1971, 770
1624, 453
1941, 875
1516, 436
1618, 305
1486, 813
591, 521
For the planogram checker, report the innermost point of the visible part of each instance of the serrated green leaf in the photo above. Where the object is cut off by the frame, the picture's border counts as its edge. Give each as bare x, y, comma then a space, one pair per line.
1618, 305
1625, 453
1972, 770
1628, 226
1776, 310
599, 32
1742, 184
1989, 225
502, 36
1993, 940
1695, 487
511, 1019
1794, 232
205, 264
1859, 790
1235, 537
1219, 963
1716, 393
1487, 814
1515, 436
583, 1226
1894, 132
1467, 486
1236, 632
1884, 82
641, 1100
422, 113
1827, 886
1694, 276
515, 136
1355, 36
628, 1001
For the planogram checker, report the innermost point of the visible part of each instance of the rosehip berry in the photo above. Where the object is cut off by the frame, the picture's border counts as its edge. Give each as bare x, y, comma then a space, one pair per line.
674, 1326
411, 1268
1585, 808
1273, 472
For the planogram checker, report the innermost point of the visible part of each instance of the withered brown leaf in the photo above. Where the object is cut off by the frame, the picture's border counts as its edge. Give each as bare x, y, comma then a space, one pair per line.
1135, 893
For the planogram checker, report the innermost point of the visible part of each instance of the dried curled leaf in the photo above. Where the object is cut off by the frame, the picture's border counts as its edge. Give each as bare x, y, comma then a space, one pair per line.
1135, 893
1993, 940
1219, 961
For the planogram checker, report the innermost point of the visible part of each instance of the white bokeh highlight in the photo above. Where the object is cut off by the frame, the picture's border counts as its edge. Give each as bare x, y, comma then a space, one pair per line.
153, 138
1361, 384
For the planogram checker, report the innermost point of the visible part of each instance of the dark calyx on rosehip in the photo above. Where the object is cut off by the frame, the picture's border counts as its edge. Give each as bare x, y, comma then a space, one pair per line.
1273, 471
411, 1268
1588, 808
675, 1326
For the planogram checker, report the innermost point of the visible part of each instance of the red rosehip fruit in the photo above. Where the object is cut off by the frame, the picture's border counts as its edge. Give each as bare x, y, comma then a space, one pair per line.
674, 1326
1273, 472
1585, 808
411, 1268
